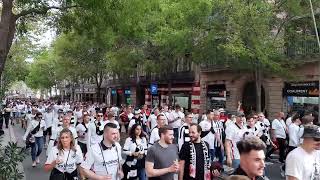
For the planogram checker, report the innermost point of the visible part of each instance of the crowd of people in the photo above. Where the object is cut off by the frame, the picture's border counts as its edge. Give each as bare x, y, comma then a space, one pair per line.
93, 141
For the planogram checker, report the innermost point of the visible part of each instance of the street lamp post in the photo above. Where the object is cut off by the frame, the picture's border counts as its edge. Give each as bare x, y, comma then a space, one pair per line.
317, 35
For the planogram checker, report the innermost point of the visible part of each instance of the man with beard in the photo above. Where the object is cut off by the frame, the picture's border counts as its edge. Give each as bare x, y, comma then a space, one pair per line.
303, 162
162, 157
194, 157
252, 158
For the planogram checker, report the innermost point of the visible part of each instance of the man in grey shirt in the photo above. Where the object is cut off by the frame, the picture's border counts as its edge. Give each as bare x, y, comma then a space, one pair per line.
162, 157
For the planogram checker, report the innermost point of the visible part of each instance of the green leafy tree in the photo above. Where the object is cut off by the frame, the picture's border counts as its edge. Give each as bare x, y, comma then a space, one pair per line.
17, 68
15, 16
42, 75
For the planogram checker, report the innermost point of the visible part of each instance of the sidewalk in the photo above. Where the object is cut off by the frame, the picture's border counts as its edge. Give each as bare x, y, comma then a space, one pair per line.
9, 136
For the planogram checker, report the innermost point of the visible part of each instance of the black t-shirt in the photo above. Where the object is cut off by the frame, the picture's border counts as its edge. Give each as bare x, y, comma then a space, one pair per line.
185, 155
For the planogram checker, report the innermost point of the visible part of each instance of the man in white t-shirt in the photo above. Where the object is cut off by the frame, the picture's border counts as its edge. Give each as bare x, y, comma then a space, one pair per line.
103, 159
208, 133
176, 121
279, 134
303, 163
234, 133
154, 136
152, 120
294, 133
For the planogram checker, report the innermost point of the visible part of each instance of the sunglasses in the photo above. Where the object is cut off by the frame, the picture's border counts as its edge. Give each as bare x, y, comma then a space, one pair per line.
100, 115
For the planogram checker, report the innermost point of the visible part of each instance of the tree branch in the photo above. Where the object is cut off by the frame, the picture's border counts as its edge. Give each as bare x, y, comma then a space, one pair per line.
42, 10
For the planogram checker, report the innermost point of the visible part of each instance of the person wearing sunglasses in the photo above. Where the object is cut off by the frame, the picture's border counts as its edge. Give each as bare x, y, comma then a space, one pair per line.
95, 130
304, 162
34, 135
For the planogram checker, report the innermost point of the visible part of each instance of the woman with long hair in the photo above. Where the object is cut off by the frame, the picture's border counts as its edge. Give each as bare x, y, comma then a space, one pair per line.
64, 158
135, 148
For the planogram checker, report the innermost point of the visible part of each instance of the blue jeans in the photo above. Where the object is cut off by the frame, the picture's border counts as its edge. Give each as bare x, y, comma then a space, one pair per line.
176, 135
218, 152
142, 174
235, 163
36, 147
211, 154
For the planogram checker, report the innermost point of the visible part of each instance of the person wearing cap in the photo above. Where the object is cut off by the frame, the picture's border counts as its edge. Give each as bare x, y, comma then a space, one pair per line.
234, 134
303, 163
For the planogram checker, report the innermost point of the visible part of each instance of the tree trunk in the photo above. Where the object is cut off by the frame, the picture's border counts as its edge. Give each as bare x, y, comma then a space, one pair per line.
258, 79
7, 31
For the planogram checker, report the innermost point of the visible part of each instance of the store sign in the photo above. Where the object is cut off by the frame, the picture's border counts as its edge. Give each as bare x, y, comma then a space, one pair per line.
216, 93
113, 92
119, 91
154, 89
301, 89
127, 92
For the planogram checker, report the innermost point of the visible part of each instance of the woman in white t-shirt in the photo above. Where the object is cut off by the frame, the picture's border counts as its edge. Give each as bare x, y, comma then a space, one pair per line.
34, 134
64, 158
135, 148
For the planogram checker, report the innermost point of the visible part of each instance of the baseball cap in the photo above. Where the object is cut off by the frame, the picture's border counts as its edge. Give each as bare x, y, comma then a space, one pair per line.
311, 131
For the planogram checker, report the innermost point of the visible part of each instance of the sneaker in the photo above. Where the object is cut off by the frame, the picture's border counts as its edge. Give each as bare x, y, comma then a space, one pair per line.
37, 160
34, 164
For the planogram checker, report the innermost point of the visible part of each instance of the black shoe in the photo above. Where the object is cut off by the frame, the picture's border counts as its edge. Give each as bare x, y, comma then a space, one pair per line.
7, 126
1, 132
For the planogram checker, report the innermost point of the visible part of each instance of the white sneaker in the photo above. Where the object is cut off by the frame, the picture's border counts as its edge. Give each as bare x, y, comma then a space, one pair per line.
37, 160
34, 164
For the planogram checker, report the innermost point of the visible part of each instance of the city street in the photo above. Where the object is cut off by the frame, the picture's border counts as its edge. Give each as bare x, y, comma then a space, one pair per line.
272, 169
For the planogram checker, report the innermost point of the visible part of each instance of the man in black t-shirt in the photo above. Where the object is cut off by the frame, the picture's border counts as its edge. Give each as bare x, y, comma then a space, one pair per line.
194, 157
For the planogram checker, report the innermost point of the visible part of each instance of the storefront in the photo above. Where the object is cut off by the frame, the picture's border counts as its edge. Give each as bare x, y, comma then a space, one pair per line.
301, 95
216, 94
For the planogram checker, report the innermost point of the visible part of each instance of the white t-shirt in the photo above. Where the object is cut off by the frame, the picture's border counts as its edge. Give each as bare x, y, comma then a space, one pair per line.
48, 118
130, 146
294, 135
210, 137
235, 134
78, 114
177, 123
154, 136
279, 128
112, 158
153, 121
93, 137
75, 158
81, 130
33, 124
302, 165
289, 121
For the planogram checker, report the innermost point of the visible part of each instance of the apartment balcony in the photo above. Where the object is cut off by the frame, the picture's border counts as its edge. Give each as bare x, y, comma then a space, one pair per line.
303, 51
174, 77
